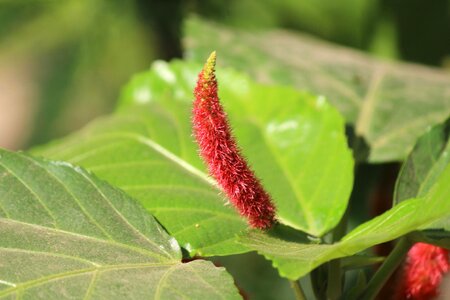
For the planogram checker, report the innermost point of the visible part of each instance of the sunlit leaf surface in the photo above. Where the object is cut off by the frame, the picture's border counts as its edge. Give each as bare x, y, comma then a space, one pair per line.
64, 234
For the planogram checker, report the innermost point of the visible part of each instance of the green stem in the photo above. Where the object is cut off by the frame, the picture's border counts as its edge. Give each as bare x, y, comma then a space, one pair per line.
318, 280
299, 295
334, 288
391, 263
335, 276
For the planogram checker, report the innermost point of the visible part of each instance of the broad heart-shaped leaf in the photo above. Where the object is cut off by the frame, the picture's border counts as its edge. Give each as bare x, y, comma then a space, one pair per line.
123, 150
391, 105
65, 234
296, 257
294, 141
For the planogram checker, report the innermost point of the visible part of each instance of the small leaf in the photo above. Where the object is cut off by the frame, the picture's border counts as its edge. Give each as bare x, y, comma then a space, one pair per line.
360, 261
439, 238
425, 163
428, 159
296, 258
66, 234
390, 104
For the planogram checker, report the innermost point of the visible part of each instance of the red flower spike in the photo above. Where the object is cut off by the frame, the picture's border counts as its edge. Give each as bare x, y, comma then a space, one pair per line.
423, 271
219, 150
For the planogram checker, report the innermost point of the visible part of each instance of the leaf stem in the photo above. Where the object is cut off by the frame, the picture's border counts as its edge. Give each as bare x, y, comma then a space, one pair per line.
335, 279
318, 280
334, 287
299, 295
391, 263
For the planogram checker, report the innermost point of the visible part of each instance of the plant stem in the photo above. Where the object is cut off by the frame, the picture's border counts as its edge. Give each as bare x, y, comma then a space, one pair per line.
318, 279
335, 275
334, 288
299, 295
387, 268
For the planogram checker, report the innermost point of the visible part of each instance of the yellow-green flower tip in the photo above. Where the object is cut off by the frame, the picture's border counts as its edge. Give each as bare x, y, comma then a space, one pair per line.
209, 68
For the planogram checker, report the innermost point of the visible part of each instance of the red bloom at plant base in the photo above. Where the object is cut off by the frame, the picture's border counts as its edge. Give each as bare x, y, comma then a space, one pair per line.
423, 271
219, 150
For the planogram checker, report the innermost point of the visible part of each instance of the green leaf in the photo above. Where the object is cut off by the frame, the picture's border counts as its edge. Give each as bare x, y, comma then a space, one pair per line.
123, 150
255, 276
360, 261
390, 104
439, 238
296, 257
297, 146
66, 234
425, 163
423, 166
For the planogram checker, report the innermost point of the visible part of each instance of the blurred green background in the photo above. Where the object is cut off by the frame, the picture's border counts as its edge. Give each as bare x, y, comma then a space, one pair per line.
63, 63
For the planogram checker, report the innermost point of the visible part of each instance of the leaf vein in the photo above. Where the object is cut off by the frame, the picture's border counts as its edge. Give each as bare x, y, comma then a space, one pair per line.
38, 198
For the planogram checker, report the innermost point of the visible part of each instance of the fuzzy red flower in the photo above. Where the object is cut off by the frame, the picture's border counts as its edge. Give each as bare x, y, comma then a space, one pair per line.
424, 268
219, 150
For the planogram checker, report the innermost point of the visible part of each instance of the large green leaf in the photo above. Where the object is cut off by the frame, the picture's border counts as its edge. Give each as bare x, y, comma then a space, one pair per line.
294, 141
123, 149
65, 234
390, 104
296, 257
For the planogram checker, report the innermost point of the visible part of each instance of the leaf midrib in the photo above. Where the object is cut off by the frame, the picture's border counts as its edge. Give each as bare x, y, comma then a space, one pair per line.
96, 187
46, 279
131, 226
32, 192
368, 104
73, 196
158, 148
80, 236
